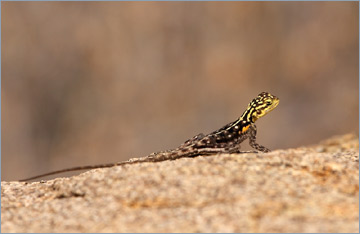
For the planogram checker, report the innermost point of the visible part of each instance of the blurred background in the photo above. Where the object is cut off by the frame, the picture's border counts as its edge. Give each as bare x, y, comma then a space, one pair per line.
96, 82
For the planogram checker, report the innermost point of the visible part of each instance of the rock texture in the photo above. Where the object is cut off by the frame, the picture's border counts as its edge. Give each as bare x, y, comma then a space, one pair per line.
307, 189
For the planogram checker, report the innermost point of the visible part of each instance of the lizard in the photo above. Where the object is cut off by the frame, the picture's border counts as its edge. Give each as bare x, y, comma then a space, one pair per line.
224, 140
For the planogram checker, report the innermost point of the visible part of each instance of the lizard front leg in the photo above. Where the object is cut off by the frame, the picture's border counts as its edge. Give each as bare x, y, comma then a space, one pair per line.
234, 147
252, 140
236, 150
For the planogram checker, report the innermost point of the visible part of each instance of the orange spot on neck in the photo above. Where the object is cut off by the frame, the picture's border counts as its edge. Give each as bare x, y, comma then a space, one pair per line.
244, 129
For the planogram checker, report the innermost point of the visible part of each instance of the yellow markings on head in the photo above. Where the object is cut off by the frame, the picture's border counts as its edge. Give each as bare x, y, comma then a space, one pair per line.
260, 106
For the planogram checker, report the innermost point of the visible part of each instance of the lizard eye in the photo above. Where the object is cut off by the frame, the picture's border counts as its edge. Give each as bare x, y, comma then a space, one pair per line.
268, 103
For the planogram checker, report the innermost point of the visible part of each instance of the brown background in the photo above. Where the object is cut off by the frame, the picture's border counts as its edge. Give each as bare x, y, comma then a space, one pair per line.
90, 82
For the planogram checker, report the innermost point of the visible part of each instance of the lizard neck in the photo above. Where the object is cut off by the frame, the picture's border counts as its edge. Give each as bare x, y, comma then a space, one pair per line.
248, 115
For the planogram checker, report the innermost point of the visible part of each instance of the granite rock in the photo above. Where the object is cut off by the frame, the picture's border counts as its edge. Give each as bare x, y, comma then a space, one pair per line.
305, 189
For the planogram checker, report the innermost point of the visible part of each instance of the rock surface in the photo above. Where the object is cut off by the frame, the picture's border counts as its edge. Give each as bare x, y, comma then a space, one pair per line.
307, 189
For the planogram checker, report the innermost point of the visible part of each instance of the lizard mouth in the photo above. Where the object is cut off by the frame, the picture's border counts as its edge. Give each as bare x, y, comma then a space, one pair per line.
274, 104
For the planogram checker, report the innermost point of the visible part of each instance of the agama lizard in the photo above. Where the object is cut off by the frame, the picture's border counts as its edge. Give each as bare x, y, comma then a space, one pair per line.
225, 140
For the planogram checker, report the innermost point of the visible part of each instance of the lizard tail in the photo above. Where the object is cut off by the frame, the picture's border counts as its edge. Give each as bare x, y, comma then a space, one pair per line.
69, 169
154, 157
150, 158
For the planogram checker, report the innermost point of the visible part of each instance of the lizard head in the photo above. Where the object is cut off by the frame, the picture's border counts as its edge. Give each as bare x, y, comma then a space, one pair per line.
260, 106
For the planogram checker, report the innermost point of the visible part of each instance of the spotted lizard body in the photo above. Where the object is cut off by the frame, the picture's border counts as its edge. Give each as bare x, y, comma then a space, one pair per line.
225, 140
